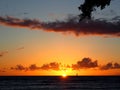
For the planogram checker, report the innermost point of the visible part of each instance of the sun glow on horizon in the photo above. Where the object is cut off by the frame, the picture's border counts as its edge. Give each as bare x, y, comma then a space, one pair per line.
64, 75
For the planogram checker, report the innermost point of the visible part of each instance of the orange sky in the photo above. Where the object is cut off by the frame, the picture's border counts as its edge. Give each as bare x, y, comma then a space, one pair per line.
38, 33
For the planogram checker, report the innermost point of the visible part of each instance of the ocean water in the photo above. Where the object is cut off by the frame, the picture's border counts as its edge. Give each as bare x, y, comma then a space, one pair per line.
60, 83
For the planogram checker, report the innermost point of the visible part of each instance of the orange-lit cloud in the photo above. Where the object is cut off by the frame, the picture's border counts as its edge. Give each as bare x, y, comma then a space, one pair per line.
70, 25
85, 63
33, 67
19, 67
51, 66
110, 66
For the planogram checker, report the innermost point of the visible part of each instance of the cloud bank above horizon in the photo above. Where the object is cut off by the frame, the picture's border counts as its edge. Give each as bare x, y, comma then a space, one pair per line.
85, 63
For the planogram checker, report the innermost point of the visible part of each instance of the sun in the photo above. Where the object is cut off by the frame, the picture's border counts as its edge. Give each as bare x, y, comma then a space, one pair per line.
64, 75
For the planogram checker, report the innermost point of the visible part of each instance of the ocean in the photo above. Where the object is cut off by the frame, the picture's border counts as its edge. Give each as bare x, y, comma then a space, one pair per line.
59, 83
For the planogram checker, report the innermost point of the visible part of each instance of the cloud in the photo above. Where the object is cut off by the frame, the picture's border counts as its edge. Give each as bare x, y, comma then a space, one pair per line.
85, 63
110, 66
19, 67
116, 66
45, 67
89, 6
70, 25
33, 67
2, 53
51, 66
107, 66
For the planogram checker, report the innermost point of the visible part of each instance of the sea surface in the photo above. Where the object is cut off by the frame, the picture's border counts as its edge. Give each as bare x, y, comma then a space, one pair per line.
59, 83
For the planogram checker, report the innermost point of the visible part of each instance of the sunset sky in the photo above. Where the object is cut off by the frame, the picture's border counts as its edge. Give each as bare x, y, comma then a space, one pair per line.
50, 43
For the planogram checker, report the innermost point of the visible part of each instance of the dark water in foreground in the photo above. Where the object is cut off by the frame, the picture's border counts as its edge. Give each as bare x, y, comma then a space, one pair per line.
60, 83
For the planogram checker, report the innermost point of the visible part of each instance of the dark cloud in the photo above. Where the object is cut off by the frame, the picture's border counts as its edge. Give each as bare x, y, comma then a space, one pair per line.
110, 65
116, 65
55, 66
2, 53
19, 67
51, 66
45, 67
89, 6
69, 25
107, 66
34, 67
85, 63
